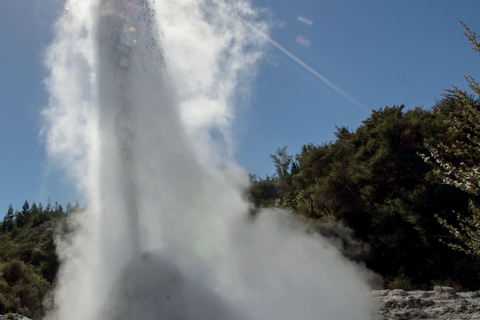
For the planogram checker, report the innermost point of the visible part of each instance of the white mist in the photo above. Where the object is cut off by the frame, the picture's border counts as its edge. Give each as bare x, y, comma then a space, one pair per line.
136, 87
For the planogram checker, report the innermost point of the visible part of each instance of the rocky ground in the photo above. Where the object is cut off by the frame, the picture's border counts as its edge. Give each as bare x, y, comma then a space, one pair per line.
13, 316
440, 303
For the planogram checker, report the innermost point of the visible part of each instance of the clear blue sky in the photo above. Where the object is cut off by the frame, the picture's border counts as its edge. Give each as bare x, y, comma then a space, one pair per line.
379, 53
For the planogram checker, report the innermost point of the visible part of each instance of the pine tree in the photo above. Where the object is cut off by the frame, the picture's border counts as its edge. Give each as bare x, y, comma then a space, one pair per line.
9, 219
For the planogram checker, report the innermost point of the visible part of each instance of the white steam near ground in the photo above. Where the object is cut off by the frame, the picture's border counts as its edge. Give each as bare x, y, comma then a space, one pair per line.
136, 89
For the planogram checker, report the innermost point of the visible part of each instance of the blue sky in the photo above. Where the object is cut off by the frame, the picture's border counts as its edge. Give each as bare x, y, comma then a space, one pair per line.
379, 53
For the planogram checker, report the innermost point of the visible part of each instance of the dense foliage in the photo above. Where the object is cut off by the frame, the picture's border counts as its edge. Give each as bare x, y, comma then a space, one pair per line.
399, 187
456, 160
373, 182
28, 262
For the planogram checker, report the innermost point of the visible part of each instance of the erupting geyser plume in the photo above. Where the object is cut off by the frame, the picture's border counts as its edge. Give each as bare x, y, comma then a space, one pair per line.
136, 88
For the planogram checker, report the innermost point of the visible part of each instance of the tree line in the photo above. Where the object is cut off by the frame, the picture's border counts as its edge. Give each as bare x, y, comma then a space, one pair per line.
403, 186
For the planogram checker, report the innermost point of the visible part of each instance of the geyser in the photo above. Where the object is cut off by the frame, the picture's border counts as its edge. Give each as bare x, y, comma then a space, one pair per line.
136, 87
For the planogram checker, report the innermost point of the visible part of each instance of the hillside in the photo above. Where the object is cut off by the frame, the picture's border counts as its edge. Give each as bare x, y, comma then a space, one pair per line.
28, 262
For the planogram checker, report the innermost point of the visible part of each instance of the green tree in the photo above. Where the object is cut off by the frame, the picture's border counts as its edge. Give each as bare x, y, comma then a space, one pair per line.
34, 210
282, 161
263, 192
9, 219
456, 161
372, 180
26, 208
23, 289
23, 217
58, 211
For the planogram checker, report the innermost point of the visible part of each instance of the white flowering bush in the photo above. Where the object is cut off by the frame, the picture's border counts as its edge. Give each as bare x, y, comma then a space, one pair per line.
456, 162
468, 234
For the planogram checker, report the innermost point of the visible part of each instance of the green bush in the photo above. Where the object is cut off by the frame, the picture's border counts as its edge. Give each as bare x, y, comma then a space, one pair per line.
22, 289
401, 282
13, 271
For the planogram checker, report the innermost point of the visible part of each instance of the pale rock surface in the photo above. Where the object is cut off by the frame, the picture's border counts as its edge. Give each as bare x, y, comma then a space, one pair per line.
440, 304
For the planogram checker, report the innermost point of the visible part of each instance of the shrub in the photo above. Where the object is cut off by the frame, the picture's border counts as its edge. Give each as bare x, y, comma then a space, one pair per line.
401, 282
13, 271
22, 289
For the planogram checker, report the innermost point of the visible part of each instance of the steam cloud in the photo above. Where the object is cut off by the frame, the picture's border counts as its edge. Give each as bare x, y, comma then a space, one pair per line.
136, 88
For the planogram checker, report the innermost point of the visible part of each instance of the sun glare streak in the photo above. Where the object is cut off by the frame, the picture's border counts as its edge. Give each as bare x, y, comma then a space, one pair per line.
293, 57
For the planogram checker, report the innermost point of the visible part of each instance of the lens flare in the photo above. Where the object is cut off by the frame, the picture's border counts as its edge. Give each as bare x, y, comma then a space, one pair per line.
310, 23
303, 41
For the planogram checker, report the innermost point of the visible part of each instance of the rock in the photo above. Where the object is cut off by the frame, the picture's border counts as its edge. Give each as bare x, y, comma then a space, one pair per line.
460, 308
427, 302
473, 295
462, 302
412, 302
397, 292
13, 316
444, 293
425, 294
401, 315
380, 293
389, 304
442, 303
418, 314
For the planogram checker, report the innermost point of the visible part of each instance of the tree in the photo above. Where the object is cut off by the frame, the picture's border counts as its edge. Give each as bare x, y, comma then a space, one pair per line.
9, 219
49, 205
34, 210
372, 180
456, 161
23, 217
282, 161
263, 192
26, 208
58, 210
